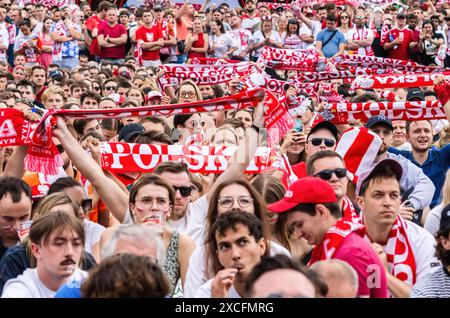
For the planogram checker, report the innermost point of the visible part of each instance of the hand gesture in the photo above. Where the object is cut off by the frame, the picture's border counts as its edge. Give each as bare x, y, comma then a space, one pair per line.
291, 138
222, 283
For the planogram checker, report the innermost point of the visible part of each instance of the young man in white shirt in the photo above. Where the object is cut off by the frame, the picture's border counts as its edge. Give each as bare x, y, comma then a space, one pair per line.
406, 249
239, 243
57, 243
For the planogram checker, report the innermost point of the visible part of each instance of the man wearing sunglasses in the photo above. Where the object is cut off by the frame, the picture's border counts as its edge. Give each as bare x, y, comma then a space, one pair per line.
322, 136
412, 178
361, 37
329, 166
313, 214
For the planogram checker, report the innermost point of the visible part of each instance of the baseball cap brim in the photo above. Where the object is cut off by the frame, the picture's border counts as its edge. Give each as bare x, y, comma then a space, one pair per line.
395, 166
281, 206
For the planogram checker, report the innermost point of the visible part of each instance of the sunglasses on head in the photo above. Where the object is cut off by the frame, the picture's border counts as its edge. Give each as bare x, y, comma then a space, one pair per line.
327, 174
318, 141
184, 191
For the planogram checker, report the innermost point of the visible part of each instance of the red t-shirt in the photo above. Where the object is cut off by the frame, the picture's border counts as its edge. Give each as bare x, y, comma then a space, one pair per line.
300, 171
358, 253
117, 52
148, 35
402, 50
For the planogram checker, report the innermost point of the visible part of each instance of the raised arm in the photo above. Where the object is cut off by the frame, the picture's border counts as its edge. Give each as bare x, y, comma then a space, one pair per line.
111, 194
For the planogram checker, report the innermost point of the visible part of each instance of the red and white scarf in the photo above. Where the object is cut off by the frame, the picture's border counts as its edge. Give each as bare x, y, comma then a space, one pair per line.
349, 211
212, 61
334, 238
203, 74
306, 77
341, 113
43, 156
124, 157
395, 81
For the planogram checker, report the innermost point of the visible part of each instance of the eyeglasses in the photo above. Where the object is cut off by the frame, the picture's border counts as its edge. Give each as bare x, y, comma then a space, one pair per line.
327, 174
187, 94
110, 88
146, 202
197, 123
86, 205
318, 141
243, 201
184, 191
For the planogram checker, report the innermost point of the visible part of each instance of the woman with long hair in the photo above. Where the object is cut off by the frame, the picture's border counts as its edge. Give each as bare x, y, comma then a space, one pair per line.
292, 40
47, 44
150, 202
345, 26
266, 36
220, 44
230, 195
197, 41
429, 43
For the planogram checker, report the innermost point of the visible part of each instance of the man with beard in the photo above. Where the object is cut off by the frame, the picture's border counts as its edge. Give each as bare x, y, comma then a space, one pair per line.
361, 37
241, 37
15, 208
250, 19
57, 242
38, 78
437, 284
412, 177
239, 242
433, 161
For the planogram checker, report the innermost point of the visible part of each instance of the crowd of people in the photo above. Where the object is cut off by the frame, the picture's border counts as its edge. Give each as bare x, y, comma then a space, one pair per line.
315, 227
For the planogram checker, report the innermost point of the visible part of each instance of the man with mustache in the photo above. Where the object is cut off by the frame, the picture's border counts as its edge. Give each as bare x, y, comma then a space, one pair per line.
57, 243
412, 178
239, 242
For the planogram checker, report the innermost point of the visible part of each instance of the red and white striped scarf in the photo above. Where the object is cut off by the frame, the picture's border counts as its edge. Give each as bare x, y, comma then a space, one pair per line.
341, 113
124, 157
334, 238
349, 211
395, 81
203, 74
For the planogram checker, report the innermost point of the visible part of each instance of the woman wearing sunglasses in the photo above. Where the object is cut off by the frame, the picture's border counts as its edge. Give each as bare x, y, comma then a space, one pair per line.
19, 257
150, 202
232, 195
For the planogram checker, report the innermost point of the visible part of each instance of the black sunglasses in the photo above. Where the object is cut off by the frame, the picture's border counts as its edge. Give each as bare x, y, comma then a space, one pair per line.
184, 191
86, 205
318, 141
327, 174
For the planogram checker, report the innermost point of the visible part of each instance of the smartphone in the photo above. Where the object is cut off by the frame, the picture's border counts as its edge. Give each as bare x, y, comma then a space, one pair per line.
298, 125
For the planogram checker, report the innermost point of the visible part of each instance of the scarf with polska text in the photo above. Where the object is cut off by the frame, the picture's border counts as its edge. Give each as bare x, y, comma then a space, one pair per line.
309, 77
396, 81
334, 238
124, 157
212, 61
43, 155
341, 113
344, 62
293, 59
203, 74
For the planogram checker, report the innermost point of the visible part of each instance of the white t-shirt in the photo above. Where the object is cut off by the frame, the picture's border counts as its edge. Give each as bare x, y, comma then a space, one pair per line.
433, 220
361, 34
304, 30
4, 39
241, 39
205, 291
197, 273
259, 37
423, 246
220, 45
92, 231
28, 285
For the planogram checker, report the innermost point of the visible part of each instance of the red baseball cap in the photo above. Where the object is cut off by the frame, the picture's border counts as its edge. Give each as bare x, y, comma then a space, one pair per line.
306, 190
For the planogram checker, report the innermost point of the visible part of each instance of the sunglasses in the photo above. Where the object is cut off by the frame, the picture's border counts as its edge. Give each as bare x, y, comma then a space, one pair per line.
318, 141
184, 191
86, 205
327, 174
110, 88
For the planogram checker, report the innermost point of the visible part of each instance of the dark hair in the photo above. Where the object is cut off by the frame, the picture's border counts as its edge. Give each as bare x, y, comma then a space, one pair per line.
63, 183
150, 179
26, 83
294, 22
151, 137
364, 98
409, 123
441, 253
270, 187
126, 276
382, 172
281, 261
229, 220
310, 209
110, 124
26, 22
431, 23
320, 155
80, 124
38, 67
220, 25
171, 167
331, 18
430, 93
14, 187
181, 120
90, 94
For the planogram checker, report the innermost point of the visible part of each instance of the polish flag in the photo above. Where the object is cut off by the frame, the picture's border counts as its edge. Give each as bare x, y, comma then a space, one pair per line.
358, 147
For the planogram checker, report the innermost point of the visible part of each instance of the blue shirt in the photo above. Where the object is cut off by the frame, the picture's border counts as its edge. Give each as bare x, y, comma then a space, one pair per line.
435, 167
332, 46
